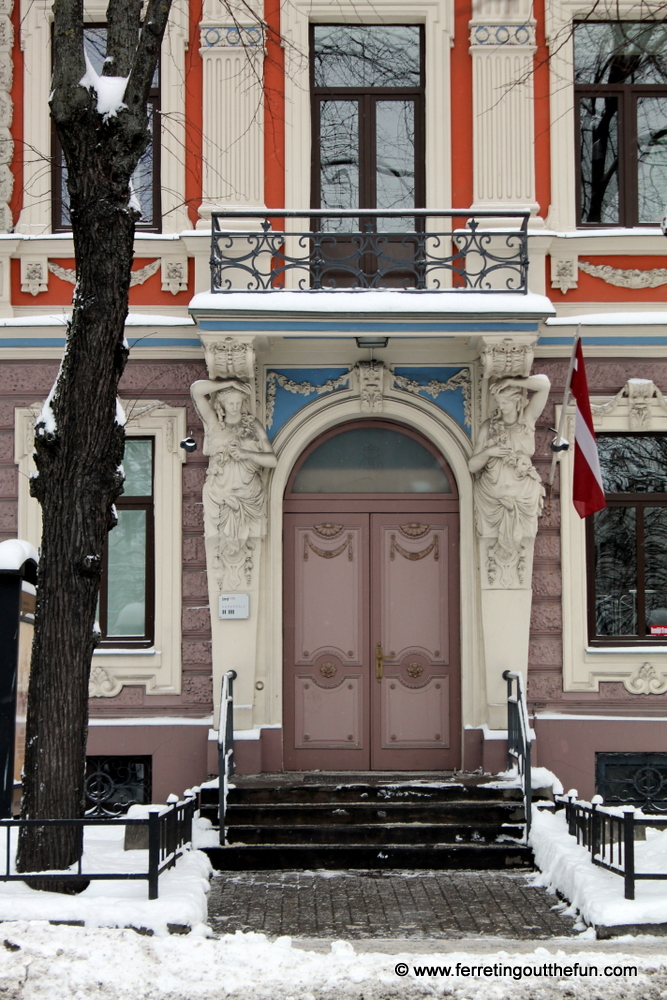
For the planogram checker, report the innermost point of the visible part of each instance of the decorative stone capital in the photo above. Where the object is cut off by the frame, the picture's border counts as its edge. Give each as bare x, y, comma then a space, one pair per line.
230, 358
503, 35
249, 37
174, 274
371, 385
511, 357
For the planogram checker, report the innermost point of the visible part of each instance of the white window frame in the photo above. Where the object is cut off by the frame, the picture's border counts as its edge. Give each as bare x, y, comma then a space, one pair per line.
642, 669
36, 21
158, 668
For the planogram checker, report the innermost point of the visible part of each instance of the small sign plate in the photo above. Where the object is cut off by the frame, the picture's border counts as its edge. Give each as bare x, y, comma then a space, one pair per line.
234, 606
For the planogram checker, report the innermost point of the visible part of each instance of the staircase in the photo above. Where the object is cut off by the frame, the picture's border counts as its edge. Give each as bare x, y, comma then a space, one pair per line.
318, 820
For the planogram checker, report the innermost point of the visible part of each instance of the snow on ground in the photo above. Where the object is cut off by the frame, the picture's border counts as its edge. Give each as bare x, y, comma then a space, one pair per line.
182, 889
598, 894
40, 961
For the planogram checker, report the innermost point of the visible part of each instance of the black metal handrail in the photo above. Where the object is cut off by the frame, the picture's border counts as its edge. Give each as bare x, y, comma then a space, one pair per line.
416, 253
168, 833
225, 745
608, 837
519, 738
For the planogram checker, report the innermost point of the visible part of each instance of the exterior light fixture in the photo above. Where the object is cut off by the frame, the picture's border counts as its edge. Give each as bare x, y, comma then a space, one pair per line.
372, 341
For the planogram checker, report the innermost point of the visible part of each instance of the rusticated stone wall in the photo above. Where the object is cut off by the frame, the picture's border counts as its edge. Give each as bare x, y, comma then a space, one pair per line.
545, 662
25, 383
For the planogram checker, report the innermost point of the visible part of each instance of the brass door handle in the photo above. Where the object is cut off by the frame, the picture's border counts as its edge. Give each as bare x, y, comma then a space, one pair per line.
379, 663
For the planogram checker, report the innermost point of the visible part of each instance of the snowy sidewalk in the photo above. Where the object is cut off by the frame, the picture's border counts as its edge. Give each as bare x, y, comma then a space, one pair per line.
385, 904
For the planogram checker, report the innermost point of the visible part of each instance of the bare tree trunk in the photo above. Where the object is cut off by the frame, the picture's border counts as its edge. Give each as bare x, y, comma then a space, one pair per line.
79, 444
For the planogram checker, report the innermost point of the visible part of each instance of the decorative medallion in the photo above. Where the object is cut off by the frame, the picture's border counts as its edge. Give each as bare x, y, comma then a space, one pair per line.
415, 669
328, 529
328, 669
413, 529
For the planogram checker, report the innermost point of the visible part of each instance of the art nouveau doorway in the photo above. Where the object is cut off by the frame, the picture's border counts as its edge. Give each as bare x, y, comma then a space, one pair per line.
371, 604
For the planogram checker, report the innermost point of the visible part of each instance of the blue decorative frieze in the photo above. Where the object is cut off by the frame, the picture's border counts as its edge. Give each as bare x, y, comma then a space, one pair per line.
449, 388
288, 390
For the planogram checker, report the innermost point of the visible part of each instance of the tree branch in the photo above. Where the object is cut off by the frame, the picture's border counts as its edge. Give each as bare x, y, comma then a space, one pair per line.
123, 28
69, 64
147, 53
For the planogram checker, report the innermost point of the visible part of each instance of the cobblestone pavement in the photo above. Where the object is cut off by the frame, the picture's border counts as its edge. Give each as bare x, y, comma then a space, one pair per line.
387, 904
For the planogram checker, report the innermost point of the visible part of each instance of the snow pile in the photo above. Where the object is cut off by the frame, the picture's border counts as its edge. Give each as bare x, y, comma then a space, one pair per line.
540, 777
110, 90
182, 889
598, 894
72, 963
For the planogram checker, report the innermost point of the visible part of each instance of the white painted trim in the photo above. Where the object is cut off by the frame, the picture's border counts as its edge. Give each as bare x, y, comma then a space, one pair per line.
36, 20
584, 668
437, 16
306, 425
159, 669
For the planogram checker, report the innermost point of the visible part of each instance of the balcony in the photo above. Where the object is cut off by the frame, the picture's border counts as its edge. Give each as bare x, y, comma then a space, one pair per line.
459, 251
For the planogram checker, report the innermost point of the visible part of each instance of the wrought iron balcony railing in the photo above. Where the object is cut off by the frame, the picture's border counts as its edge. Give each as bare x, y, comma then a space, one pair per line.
459, 250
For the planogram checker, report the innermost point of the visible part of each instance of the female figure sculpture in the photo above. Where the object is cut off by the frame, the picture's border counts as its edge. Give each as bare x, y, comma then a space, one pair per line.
508, 490
238, 449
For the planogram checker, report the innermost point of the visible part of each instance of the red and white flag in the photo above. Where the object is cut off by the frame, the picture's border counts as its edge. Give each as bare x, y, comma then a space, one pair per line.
587, 488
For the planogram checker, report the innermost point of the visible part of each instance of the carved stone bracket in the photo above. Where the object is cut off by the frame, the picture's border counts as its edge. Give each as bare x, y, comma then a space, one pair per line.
230, 358
371, 385
101, 685
511, 357
640, 398
646, 680
174, 274
34, 275
564, 273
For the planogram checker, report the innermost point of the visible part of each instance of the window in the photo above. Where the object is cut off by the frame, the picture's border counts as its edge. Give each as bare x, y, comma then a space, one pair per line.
621, 100
627, 542
127, 587
368, 120
145, 180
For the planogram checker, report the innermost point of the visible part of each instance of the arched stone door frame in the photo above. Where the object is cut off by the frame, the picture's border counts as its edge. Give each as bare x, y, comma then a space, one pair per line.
453, 443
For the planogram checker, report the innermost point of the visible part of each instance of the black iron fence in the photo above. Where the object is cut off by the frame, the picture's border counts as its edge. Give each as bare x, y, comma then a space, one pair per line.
610, 837
166, 834
518, 737
225, 745
459, 250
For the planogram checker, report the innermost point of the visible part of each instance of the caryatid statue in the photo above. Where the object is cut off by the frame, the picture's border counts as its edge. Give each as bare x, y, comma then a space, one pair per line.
508, 491
234, 495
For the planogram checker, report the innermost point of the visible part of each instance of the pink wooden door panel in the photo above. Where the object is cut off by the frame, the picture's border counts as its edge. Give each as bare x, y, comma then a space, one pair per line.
326, 706
415, 705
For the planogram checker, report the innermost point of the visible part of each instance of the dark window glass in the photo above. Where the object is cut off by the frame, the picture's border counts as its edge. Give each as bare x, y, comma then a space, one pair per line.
126, 593
620, 71
628, 542
371, 460
145, 179
370, 55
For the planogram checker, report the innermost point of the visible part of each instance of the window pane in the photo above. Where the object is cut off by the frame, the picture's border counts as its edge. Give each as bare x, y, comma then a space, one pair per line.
370, 55
655, 569
620, 52
598, 118
138, 466
126, 575
615, 571
371, 460
633, 463
395, 161
339, 160
652, 157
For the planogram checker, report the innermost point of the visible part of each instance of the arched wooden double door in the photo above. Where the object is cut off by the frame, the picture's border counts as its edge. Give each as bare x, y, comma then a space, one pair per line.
371, 604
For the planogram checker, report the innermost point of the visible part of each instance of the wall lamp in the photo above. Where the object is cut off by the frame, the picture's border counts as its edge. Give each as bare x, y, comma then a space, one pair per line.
372, 341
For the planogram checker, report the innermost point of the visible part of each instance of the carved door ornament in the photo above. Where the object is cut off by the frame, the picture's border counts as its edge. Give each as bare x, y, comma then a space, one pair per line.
328, 669
328, 553
415, 669
414, 556
413, 529
328, 529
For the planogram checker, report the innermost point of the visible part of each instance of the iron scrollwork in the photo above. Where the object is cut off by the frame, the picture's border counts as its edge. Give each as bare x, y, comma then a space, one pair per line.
464, 257
113, 784
638, 779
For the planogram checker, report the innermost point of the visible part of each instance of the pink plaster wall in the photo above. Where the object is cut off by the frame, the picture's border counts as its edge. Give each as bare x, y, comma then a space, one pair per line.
179, 752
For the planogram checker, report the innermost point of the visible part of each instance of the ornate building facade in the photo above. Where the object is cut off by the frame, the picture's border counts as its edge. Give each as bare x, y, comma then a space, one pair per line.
370, 233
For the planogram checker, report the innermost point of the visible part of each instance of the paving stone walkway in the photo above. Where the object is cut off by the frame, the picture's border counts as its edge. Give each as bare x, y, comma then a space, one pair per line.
387, 904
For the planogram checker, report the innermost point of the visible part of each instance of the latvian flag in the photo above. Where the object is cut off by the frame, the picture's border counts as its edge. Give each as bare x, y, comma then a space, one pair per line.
587, 491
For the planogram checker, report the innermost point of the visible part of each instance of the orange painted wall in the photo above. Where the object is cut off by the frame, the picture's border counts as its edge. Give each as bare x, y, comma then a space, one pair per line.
274, 109
592, 289
542, 120
461, 70
193, 114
